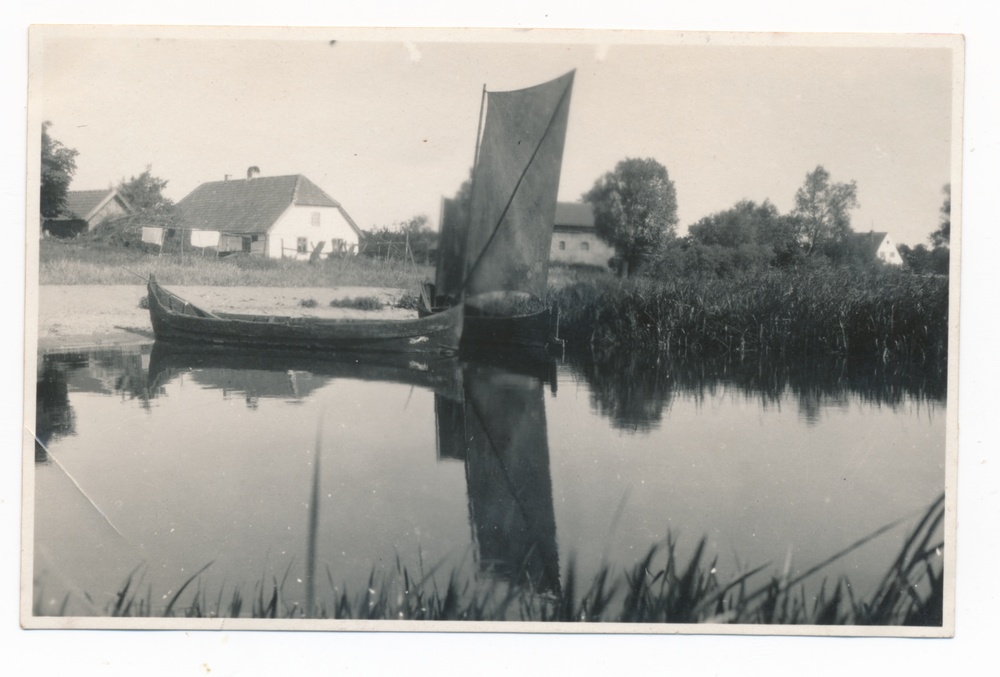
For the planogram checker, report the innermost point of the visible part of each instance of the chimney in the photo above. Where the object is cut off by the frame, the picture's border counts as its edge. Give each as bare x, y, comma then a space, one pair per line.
226, 177
252, 172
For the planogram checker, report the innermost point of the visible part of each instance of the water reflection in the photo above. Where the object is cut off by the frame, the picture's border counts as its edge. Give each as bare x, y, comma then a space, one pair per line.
293, 376
105, 372
499, 432
634, 390
509, 460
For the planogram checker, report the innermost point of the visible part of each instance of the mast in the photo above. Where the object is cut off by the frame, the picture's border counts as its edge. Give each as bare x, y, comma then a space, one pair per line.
472, 189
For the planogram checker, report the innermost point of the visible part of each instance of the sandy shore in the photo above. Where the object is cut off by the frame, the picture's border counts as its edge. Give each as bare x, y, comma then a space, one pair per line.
82, 316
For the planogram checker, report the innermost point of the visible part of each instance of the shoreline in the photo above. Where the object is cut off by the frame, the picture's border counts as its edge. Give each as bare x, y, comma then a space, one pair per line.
78, 317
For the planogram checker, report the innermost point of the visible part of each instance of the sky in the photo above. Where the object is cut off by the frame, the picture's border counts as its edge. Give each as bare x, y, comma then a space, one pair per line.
387, 127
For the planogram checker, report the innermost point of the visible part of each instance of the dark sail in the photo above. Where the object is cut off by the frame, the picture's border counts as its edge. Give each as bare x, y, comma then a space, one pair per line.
514, 189
451, 248
500, 433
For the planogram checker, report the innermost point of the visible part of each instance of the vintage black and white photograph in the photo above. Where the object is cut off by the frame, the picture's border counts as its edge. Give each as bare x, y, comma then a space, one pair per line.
551, 331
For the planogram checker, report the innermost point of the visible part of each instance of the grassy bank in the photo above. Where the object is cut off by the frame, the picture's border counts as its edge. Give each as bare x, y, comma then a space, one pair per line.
888, 316
659, 589
72, 262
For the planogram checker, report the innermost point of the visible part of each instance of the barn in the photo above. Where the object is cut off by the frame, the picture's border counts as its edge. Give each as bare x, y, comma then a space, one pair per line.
271, 216
574, 238
84, 210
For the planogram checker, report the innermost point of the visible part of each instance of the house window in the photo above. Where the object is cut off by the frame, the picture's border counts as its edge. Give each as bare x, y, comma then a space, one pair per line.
892, 255
562, 245
303, 245
315, 219
585, 246
246, 244
338, 245
881, 255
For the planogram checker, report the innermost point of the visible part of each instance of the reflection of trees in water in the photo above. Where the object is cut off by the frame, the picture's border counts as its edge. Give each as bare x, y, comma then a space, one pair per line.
107, 372
54, 417
634, 389
632, 393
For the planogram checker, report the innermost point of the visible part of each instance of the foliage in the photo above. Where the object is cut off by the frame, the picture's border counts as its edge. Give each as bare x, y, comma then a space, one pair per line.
145, 192
635, 210
58, 167
887, 316
358, 303
391, 242
743, 238
924, 261
822, 210
942, 236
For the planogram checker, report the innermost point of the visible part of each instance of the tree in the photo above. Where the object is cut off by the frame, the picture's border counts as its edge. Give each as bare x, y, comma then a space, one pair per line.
942, 236
145, 192
635, 209
822, 210
58, 167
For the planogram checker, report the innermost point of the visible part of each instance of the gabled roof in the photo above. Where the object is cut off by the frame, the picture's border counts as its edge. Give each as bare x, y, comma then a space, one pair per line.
83, 204
252, 206
574, 216
870, 241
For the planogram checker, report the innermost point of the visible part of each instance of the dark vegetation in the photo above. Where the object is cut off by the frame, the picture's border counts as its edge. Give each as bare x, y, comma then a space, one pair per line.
659, 589
358, 303
878, 315
412, 241
57, 169
633, 389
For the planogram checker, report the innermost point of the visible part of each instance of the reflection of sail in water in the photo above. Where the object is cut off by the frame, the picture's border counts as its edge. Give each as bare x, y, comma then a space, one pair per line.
500, 433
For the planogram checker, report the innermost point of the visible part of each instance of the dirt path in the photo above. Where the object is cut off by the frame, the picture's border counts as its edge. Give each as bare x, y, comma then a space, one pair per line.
81, 316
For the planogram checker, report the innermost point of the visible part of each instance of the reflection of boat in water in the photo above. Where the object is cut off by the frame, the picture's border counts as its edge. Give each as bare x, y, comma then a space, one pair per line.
439, 374
494, 251
499, 432
175, 319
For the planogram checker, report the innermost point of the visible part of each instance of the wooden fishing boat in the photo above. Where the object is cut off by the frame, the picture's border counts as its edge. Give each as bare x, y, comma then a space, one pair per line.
175, 319
498, 241
534, 329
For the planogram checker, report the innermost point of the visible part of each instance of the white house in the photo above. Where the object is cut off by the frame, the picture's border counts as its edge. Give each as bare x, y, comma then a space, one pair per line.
84, 210
574, 239
272, 216
880, 246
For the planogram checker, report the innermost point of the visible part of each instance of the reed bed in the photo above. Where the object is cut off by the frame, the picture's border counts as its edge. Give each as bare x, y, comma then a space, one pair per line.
888, 316
659, 589
76, 263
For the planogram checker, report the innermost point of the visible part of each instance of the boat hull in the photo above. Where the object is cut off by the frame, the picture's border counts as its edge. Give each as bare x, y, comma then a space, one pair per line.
530, 330
175, 320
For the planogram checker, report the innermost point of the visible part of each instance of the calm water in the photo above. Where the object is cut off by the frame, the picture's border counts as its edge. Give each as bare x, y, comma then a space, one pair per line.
174, 459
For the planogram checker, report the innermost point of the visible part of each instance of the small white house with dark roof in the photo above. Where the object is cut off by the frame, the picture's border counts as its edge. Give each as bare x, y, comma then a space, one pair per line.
272, 216
86, 209
574, 238
879, 246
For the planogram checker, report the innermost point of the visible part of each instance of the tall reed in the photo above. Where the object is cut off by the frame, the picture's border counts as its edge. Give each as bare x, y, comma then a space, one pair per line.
888, 316
661, 588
